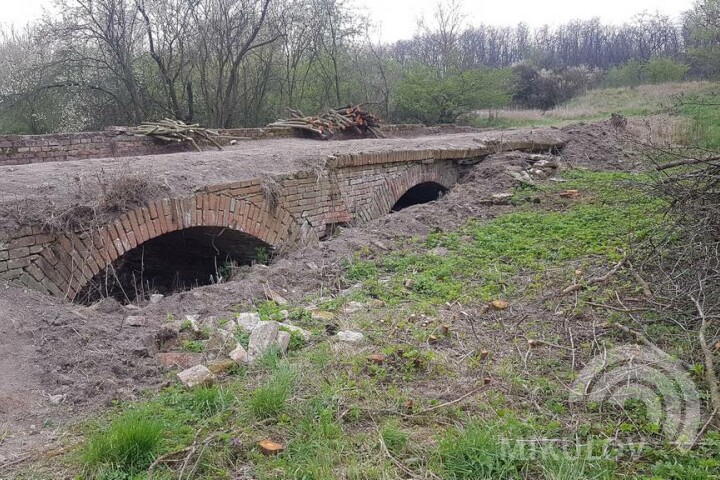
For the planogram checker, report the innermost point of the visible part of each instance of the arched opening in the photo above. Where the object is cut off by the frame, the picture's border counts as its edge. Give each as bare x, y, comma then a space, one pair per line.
421, 193
175, 262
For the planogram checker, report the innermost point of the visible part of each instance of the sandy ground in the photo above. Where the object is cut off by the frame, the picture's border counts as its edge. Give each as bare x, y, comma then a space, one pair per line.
91, 357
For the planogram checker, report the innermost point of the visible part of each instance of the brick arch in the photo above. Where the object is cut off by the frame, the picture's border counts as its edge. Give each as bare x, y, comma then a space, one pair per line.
75, 259
386, 195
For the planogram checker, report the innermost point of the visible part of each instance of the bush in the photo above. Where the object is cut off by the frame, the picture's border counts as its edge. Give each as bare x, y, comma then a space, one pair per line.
429, 97
655, 71
545, 89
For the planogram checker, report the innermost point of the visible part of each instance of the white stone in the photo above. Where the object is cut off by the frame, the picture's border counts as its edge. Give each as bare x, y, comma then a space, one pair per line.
283, 340
220, 343
353, 307
57, 399
247, 321
193, 319
239, 354
304, 333
350, 336
263, 336
136, 321
156, 297
198, 375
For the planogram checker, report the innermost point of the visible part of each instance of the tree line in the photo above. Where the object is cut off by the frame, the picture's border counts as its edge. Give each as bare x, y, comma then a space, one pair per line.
229, 63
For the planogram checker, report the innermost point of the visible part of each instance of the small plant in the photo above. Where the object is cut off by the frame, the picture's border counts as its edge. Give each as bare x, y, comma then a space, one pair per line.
394, 438
262, 256
209, 400
128, 445
270, 400
193, 346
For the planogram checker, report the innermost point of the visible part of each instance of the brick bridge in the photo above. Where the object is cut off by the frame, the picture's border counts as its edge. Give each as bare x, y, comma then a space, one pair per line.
243, 203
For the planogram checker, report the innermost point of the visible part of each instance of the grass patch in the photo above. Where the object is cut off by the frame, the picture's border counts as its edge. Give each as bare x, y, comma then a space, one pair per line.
127, 447
270, 399
483, 258
596, 104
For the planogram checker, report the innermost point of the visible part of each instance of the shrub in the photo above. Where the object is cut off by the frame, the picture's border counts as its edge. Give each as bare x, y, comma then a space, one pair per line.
430, 97
655, 71
545, 89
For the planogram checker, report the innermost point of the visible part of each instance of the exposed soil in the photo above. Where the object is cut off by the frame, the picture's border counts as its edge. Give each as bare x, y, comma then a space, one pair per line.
91, 356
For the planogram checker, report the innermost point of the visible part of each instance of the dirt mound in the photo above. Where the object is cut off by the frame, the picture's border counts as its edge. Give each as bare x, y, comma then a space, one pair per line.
57, 359
600, 145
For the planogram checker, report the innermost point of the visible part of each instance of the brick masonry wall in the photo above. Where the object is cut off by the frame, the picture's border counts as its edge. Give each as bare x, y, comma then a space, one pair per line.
62, 265
352, 188
113, 142
116, 142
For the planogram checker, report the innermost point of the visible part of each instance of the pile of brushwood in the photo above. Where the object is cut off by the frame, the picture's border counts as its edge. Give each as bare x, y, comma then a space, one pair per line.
177, 131
345, 119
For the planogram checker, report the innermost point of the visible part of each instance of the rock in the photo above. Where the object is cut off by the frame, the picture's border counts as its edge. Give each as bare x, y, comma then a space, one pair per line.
193, 320
263, 336
220, 366
376, 303
322, 315
499, 304
195, 376
63, 379
350, 336
268, 447
284, 314
353, 307
239, 355
247, 321
220, 343
183, 360
56, 399
274, 296
137, 321
156, 297
304, 333
283, 340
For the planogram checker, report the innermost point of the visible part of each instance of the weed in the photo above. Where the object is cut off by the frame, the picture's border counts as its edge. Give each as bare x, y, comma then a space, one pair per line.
193, 346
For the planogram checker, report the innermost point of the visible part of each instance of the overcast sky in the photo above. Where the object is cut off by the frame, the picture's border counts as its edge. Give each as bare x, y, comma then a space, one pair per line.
397, 19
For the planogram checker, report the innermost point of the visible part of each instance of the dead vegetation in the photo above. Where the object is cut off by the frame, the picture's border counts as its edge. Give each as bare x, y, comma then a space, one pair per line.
96, 199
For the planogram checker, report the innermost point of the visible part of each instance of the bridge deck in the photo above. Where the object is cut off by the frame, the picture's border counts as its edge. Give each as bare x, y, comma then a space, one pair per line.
186, 172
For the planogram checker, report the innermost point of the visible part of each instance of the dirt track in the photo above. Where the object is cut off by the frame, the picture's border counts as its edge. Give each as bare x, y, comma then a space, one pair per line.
48, 347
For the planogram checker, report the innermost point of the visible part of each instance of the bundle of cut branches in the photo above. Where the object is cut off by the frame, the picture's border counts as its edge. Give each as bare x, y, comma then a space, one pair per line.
350, 118
177, 131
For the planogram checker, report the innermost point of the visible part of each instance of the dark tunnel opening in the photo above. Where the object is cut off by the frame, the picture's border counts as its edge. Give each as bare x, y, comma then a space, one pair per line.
176, 262
420, 193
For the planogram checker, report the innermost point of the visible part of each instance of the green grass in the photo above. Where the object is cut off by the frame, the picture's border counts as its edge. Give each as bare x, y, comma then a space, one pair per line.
270, 399
704, 111
127, 447
596, 104
484, 257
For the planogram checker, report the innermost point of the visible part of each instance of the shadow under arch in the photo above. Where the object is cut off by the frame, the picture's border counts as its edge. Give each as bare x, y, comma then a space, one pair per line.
175, 261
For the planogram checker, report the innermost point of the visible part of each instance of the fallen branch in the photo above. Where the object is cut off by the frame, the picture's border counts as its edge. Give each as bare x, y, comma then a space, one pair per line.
685, 161
595, 280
